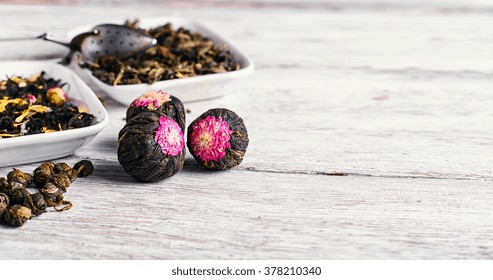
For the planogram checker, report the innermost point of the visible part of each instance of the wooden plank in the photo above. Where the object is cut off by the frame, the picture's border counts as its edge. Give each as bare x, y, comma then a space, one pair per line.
392, 97
389, 97
245, 215
449, 6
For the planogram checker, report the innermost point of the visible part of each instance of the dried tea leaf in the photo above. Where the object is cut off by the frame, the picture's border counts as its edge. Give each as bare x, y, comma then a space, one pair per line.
180, 53
37, 105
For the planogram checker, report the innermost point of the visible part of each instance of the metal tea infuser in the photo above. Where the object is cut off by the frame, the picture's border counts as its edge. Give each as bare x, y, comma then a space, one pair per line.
105, 39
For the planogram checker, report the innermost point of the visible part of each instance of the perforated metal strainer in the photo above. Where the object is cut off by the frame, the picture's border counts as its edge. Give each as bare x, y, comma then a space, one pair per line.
112, 39
105, 39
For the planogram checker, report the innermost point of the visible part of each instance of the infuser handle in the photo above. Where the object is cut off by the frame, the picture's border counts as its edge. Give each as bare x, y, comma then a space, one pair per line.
23, 38
47, 37
44, 36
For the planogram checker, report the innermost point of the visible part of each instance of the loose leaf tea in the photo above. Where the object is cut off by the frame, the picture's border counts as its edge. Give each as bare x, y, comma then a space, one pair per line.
151, 147
178, 54
18, 205
218, 139
37, 105
66, 206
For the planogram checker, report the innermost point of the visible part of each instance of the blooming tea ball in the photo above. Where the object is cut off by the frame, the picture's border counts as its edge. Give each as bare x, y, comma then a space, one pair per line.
218, 139
151, 147
158, 101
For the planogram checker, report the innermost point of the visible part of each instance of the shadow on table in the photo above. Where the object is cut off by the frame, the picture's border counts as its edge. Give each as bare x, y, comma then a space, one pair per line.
111, 170
108, 144
7, 227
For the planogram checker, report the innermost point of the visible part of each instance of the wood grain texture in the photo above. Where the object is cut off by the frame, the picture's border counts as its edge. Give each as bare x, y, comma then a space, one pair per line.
398, 99
248, 215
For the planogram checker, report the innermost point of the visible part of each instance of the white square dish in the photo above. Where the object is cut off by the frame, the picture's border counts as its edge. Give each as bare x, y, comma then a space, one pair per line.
186, 89
46, 146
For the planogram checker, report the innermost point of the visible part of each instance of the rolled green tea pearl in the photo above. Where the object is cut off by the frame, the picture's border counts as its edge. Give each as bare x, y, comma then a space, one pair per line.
60, 180
19, 196
17, 215
52, 195
36, 203
42, 173
3, 185
4, 204
12, 186
63, 168
18, 176
83, 168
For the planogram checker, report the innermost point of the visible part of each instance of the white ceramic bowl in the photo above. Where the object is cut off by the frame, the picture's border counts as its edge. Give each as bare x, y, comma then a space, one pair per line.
186, 89
47, 146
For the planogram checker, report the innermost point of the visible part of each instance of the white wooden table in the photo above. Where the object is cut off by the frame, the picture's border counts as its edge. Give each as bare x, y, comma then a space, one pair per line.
397, 97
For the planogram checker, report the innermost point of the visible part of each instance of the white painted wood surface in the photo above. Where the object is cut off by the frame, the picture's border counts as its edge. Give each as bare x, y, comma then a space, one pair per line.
396, 96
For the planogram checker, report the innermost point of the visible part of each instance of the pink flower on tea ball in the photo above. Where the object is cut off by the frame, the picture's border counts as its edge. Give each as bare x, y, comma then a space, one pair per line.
151, 99
169, 136
210, 138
